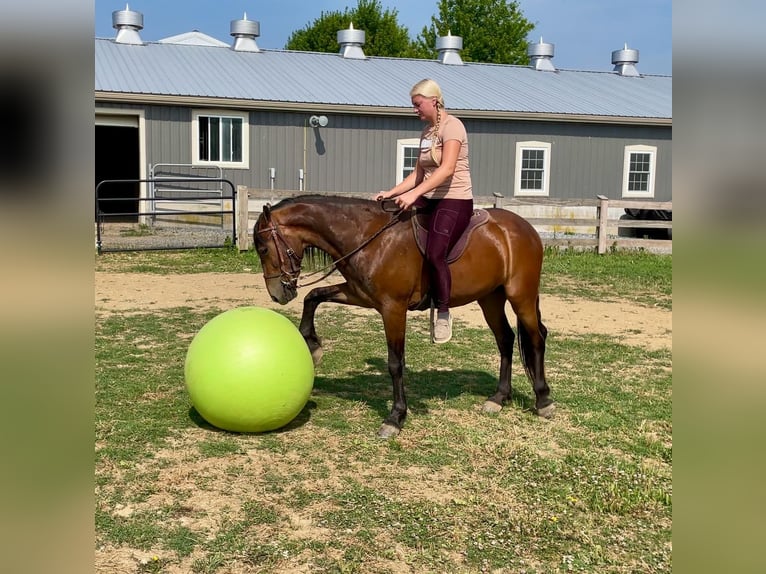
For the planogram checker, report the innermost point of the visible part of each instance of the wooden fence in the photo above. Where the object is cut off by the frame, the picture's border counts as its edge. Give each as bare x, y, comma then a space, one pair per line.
565, 228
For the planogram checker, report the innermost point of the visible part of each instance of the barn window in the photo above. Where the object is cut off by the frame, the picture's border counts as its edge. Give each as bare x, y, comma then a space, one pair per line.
533, 162
220, 139
638, 171
407, 151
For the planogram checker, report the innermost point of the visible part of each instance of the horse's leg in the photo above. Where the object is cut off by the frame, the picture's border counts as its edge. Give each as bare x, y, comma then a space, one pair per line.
330, 294
532, 335
395, 323
493, 307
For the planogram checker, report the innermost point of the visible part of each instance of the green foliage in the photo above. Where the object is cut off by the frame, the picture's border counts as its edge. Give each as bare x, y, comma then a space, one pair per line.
492, 31
383, 34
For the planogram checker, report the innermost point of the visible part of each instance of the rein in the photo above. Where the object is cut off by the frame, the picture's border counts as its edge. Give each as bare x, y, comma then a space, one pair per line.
293, 275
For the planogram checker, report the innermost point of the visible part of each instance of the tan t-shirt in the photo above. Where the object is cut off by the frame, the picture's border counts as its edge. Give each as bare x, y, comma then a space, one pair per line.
459, 185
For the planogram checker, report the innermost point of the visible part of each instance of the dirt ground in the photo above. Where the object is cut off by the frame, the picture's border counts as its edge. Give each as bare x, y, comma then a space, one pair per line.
632, 324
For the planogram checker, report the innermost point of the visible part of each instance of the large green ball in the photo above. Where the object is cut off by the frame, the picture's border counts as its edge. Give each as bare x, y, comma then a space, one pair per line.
249, 370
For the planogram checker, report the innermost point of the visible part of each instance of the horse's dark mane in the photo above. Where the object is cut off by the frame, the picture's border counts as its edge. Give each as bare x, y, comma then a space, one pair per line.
322, 200
314, 257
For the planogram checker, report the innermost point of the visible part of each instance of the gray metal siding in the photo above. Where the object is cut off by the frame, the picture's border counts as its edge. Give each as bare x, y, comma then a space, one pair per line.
357, 154
586, 159
352, 154
168, 134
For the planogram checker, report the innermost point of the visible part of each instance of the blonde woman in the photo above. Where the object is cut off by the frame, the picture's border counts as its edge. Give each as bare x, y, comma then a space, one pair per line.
441, 183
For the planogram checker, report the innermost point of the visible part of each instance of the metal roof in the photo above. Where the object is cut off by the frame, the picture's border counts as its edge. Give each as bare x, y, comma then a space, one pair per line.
282, 78
195, 37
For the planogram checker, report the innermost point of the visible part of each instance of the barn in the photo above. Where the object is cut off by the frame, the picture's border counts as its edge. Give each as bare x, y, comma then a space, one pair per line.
342, 122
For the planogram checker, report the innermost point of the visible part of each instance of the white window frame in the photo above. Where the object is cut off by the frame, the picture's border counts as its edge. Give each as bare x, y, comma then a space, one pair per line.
401, 145
533, 145
244, 116
629, 150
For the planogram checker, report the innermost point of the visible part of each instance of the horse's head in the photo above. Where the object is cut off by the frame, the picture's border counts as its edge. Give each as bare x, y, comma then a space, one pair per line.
280, 261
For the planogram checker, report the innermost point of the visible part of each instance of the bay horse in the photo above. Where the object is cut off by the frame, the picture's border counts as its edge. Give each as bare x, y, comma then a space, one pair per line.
376, 253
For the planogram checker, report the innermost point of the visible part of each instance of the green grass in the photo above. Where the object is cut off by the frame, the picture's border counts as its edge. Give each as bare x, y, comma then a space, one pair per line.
637, 276
223, 260
457, 491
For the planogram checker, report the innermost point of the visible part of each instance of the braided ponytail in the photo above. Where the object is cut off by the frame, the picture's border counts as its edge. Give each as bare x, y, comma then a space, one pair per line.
430, 89
435, 134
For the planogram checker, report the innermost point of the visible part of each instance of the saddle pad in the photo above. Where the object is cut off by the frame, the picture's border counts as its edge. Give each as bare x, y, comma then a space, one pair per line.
478, 218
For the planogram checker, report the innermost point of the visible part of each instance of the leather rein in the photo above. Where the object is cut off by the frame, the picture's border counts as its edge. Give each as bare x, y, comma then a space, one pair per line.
289, 276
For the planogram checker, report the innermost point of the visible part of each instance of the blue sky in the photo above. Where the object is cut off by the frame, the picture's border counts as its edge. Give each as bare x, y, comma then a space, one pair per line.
584, 32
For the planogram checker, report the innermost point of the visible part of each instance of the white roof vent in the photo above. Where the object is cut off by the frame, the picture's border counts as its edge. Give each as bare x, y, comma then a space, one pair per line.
541, 56
245, 32
351, 42
449, 47
127, 23
625, 61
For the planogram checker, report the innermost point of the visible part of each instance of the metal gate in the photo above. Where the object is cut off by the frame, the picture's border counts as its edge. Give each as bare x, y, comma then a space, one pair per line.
175, 213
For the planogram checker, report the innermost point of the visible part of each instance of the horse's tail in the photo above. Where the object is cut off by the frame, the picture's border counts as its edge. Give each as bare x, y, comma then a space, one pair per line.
525, 342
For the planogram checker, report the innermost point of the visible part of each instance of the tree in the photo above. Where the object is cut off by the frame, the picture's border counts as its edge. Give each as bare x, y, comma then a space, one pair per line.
383, 34
492, 31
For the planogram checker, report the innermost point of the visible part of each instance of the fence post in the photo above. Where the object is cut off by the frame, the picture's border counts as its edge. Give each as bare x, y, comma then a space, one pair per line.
603, 218
498, 200
243, 228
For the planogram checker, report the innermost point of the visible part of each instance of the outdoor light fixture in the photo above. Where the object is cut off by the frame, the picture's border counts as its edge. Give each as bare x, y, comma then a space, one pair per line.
318, 121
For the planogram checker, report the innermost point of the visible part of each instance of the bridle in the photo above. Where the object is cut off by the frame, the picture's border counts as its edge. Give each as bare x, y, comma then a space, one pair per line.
289, 277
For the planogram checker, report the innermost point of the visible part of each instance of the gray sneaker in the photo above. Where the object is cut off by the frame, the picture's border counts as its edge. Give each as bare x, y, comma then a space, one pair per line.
442, 328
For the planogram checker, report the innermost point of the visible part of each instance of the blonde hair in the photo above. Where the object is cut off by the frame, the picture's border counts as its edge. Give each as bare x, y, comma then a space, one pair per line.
428, 88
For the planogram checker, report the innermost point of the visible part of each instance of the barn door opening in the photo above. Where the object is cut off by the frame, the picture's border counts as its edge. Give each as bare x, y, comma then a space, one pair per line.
118, 157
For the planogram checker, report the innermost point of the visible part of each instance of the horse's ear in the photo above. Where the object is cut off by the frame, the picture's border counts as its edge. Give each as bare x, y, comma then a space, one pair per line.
267, 210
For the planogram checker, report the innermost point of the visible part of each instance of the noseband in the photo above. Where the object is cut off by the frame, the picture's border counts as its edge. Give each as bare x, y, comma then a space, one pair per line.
288, 276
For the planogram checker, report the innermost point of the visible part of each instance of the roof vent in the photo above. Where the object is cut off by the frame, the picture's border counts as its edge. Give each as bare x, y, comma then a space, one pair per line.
351, 42
449, 47
625, 61
245, 32
541, 56
127, 23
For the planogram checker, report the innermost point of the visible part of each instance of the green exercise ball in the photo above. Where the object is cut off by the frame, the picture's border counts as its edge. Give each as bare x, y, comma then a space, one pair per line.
249, 370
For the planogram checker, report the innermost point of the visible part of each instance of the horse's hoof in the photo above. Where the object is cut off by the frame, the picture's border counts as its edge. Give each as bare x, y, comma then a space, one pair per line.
547, 411
491, 407
316, 355
388, 431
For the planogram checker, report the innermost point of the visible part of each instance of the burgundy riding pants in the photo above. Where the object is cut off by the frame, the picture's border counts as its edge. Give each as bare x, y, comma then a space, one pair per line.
447, 219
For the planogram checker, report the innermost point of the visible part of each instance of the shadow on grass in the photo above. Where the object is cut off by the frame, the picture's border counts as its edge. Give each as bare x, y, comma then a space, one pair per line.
375, 388
300, 419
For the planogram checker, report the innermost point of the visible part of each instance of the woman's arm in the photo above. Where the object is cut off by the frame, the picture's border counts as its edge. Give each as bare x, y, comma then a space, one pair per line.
450, 151
407, 184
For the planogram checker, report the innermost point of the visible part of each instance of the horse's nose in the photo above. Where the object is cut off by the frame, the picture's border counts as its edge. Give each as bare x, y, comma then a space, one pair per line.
273, 298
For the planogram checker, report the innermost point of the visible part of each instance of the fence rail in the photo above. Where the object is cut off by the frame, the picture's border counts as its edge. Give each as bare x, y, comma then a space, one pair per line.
579, 223
187, 215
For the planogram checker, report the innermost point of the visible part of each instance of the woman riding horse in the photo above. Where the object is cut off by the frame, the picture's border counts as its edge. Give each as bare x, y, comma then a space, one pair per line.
441, 181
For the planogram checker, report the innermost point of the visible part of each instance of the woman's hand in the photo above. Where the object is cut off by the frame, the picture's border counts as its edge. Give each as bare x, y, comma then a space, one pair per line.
406, 200
381, 196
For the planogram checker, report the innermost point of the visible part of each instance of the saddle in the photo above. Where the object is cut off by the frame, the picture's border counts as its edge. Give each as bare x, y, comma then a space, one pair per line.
478, 218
